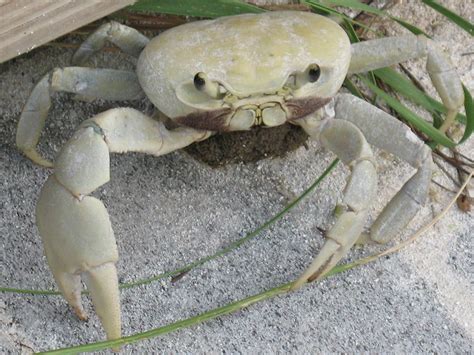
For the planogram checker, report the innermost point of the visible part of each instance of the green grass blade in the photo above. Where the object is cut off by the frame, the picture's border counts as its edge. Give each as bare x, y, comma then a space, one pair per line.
232, 307
412, 28
243, 240
202, 261
353, 89
246, 302
405, 87
398, 82
354, 38
319, 8
469, 107
458, 20
201, 8
356, 5
351, 32
30, 291
212, 314
409, 116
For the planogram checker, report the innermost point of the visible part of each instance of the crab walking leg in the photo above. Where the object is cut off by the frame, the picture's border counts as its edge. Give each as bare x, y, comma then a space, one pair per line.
348, 143
88, 83
76, 230
383, 52
386, 132
126, 38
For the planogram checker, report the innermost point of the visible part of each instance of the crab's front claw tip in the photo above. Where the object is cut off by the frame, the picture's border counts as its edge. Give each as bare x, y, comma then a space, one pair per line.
340, 239
79, 241
103, 286
36, 158
325, 261
70, 286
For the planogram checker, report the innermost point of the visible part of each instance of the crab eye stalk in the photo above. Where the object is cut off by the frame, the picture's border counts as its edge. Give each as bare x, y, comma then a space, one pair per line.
311, 74
199, 81
314, 72
202, 83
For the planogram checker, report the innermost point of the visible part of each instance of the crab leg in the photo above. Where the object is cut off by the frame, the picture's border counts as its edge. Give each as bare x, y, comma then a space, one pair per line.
126, 38
383, 52
75, 228
349, 144
87, 83
386, 132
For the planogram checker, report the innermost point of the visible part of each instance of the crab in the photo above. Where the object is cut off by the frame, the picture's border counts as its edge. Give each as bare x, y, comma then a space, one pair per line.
206, 77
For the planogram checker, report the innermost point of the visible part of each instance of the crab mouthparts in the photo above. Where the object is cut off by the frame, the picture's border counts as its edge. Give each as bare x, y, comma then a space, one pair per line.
220, 120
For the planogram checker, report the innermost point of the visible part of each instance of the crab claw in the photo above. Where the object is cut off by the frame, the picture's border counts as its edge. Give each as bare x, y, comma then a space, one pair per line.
75, 228
340, 239
79, 243
348, 142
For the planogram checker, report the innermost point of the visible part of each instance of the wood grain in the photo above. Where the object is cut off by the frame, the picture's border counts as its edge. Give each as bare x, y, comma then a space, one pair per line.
27, 24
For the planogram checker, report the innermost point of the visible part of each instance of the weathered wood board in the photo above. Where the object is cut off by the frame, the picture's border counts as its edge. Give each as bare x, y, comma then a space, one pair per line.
27, 24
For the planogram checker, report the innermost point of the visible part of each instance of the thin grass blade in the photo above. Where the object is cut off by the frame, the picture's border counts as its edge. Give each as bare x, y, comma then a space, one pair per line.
452, 16
201, 8
410, 116
214, 313
405, 87
469, 107
353, 89
356, 5
325, 10
246, 302
248, 237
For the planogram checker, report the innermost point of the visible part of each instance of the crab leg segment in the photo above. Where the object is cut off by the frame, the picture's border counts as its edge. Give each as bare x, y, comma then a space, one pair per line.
383, 52
87, 83
126, 38
348, 143
75, 228
386, 132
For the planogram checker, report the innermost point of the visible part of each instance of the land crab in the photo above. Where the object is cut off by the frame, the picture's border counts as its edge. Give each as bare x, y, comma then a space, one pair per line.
228, 74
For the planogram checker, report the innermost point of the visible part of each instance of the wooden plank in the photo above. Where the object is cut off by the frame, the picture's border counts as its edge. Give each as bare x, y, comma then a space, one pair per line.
27, 24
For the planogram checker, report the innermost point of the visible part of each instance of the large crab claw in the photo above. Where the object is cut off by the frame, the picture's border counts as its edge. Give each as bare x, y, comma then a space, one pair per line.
78, 238
75, 228
79, 242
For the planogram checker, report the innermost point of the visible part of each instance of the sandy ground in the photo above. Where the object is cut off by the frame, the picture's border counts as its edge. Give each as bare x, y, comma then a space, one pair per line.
170, 210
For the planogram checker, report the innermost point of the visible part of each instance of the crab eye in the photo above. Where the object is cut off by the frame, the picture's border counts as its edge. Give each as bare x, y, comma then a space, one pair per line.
314, 72
207, 86
199, 81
